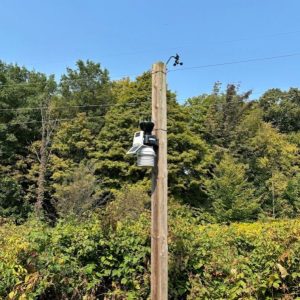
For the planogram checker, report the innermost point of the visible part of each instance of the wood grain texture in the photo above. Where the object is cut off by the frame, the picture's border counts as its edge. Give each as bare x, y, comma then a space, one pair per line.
159, 229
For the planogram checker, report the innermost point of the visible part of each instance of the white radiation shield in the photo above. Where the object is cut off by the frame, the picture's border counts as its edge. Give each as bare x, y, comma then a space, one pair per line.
146, 157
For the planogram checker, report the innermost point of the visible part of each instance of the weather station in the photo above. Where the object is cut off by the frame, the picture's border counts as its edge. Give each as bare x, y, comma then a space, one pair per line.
144, 145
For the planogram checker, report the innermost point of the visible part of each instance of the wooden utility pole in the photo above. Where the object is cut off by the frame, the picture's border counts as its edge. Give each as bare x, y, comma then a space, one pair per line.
159, 227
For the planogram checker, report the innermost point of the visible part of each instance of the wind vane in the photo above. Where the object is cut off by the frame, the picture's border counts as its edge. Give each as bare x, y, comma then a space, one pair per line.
176, 60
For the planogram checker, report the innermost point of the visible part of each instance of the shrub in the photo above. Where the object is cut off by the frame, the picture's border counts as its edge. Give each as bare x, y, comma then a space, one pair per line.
81, 260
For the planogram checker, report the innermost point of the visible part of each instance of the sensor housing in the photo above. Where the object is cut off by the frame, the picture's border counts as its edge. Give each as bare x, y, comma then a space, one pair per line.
144, 145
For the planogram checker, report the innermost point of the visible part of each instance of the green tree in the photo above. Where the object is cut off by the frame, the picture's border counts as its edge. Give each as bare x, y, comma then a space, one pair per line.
129, 203
292, 195
246, 130
273, 160
20, 97
75, 197
88, 88
186, 152
216, 116
189, 158
86, 96
113, 167
233, 197
282, 109
70, 149
11, 203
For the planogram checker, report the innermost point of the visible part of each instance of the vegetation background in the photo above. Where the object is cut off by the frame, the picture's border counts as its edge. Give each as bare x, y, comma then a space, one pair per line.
74, 208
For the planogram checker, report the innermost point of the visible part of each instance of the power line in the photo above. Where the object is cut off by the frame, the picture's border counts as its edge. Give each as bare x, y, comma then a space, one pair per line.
236, 62
74, 106
172, 70
109, 105
14, 122
188, 43
143, 51
260, 93
43, 84
78, 80
48, 121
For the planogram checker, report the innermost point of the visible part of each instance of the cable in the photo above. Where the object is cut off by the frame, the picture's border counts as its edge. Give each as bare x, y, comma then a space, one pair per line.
176, 47
237, 62
114, 105
49, 121
42, 85
207, 42
107, 105
58, 120
143, 51
74, 106
174, 70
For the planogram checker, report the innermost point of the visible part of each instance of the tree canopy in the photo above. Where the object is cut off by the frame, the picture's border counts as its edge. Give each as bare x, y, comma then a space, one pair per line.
63, 144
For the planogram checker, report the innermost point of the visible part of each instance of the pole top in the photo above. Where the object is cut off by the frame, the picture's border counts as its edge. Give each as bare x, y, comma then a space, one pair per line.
159, 65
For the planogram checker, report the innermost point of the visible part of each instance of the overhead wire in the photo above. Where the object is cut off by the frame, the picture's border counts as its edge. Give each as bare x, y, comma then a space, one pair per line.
78, 80
172, 70
102, 105
47, 121
188, 43
16, 122
73, 106
249, 60
240, 39
43, 85
236, 62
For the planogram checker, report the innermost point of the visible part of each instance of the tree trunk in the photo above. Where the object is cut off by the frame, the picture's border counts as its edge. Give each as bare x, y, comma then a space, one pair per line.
42, 173
273, 198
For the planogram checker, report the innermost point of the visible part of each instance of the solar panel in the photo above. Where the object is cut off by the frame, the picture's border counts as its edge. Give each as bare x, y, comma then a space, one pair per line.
134, 149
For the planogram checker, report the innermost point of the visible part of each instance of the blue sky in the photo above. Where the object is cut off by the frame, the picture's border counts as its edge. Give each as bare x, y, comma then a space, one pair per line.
127, 36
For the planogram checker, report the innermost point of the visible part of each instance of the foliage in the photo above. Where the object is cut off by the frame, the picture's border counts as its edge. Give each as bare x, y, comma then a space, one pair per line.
98, 118
20, 90
73, 260
76, 196
292, 194
129, 203
10, 198
81, 260
240, 261
233, 197
216, 116
188, 154
273, 161
113, 167
282, 109
89, 84
189, 158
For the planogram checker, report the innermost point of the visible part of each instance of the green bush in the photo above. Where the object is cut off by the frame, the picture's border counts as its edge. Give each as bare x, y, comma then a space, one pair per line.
73, 261
11, 202
81, 260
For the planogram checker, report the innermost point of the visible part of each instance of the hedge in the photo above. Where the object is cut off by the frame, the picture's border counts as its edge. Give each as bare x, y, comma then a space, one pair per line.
87, 260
